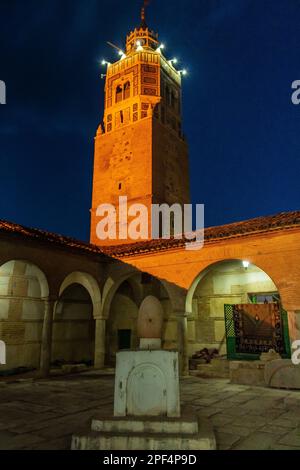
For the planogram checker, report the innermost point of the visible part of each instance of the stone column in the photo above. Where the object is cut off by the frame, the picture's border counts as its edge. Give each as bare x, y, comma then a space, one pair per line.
183, 343
100, 343
46, 345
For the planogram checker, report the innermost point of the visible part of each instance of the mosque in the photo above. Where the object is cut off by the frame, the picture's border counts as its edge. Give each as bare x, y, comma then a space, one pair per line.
63, 301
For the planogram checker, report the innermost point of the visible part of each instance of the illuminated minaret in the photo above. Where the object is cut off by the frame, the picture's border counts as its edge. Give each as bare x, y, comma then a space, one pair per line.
140, 150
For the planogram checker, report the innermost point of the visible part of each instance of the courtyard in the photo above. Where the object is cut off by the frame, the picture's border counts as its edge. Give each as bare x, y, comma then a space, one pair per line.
43, 414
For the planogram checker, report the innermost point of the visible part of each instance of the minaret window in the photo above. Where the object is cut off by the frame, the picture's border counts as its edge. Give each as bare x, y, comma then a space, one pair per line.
173, 100
119, 94
168, 95
127, 90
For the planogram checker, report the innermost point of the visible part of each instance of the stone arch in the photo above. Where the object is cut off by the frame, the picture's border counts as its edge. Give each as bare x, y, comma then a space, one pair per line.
174, 294
90, 284
122, 298
142, 285
31, 270
24, 291
226, 282
112, 285
203, 273
74, 327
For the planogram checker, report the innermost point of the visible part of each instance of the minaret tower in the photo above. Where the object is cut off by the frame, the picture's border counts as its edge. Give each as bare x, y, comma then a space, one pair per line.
140, 150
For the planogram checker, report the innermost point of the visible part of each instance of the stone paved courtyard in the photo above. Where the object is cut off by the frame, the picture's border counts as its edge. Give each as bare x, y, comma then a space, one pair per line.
43, 414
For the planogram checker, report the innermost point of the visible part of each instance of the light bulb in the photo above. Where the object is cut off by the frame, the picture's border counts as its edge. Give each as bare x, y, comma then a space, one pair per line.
159, 49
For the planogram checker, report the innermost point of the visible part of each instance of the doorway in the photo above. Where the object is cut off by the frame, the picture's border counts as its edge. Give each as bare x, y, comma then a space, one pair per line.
124, 339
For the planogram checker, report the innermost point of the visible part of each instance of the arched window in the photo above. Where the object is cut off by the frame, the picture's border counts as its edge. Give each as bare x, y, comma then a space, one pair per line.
173, 100
127, 90
119, 93
168, 96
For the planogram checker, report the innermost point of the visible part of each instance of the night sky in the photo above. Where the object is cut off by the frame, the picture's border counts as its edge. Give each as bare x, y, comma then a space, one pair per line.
243, 130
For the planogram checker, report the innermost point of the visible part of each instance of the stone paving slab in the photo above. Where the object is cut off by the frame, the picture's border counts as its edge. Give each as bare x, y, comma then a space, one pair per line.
44, 414
236, 430
225, 441
273, 429
257, 441
291, 439
11, 441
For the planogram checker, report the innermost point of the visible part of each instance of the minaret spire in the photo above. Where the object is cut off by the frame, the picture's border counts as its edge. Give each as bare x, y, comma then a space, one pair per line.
143, 13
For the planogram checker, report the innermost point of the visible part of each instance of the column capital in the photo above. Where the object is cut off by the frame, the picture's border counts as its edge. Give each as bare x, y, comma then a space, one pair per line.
180, 314
51, 299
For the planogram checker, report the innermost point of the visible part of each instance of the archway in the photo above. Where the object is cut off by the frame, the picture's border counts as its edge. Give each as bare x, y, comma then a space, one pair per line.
227, 288
73, 339
23, 291
121, 327
122, 300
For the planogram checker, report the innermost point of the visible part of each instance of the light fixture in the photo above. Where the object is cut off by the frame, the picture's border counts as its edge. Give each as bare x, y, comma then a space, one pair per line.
139, 46
183, 72
122, 54
104, 62
173, 61
159, 49
246, 264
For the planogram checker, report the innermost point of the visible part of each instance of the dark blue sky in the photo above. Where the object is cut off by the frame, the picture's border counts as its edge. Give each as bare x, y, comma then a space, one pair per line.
242, 128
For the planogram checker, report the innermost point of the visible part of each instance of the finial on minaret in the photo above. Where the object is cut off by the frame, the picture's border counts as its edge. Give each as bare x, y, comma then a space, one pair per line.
143, 12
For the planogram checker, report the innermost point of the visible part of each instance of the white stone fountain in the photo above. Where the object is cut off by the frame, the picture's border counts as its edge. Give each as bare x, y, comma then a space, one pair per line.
147, 413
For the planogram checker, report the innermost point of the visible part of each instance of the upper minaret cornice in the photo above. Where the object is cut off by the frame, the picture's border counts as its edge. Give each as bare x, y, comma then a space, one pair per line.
142, 36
